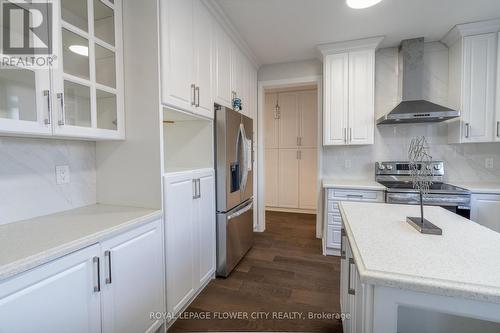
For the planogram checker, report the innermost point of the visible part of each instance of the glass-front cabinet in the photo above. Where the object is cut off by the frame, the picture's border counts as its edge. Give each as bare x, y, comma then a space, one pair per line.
81, 96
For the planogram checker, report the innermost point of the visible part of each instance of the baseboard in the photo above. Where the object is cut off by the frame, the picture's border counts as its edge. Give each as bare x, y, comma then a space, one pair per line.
292, 210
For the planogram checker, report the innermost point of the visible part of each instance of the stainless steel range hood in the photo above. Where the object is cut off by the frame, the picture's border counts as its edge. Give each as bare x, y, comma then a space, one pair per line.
414, 108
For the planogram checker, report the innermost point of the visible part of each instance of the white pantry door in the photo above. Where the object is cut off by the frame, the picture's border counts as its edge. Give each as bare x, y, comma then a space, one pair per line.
307, 178
288, 178
308, 111
336, 99
271, 121
289, 120
271, 177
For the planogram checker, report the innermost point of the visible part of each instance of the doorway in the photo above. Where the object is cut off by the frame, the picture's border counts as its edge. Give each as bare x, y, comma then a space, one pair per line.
289, 159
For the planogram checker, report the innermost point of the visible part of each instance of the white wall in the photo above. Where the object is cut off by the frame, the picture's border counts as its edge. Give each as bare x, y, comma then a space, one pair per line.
462, 162
28, 181
290, 70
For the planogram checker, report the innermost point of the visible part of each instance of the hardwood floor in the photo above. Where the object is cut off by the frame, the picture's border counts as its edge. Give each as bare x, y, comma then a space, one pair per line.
284, 277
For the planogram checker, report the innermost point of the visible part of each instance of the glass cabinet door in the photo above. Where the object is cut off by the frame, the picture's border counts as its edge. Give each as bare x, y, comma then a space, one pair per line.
88, 82
24, 98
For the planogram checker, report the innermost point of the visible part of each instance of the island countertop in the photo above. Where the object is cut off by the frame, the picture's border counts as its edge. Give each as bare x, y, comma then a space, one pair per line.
30, 243
463, 262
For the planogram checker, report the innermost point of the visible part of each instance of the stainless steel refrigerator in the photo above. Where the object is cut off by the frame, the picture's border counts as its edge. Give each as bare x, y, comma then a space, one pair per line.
234, 178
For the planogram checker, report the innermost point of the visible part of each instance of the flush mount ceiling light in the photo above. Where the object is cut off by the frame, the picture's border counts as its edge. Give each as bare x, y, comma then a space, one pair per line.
360, 4
80, 49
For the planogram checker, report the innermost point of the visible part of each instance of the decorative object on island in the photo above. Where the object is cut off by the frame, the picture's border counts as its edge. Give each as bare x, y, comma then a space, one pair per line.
421, 174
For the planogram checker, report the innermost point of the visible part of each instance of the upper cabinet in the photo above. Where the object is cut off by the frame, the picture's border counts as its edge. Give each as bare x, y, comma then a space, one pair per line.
472, 79
82, 95
349, 92
186, 59
201, 65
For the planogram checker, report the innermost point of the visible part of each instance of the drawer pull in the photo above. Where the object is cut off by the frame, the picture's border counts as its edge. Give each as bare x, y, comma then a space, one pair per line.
350, 291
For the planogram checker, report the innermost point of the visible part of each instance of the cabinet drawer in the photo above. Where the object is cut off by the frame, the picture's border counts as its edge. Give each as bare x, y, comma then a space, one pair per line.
333, 237
354, 195
334, 219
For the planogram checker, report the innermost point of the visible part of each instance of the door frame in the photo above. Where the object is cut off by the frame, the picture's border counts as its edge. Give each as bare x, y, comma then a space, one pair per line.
260, 217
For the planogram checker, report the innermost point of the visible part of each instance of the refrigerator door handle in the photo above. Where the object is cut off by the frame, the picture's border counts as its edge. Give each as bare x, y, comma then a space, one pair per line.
241, 211
244, 162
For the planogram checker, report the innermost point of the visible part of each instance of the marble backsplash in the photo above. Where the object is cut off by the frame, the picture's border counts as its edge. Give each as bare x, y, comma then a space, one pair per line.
28, 181
465, 162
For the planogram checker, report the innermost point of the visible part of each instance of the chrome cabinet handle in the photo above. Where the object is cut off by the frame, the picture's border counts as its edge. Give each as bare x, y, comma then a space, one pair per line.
297, 154
197, 92
467, 130
350, 290
355, 196
198, 181
350, 134
97, 270
62, 119
107, 254
48, 120
196, 188
193, 94
498, 129
342, 250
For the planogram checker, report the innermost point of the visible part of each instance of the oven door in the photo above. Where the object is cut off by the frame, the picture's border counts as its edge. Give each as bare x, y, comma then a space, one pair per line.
458, 204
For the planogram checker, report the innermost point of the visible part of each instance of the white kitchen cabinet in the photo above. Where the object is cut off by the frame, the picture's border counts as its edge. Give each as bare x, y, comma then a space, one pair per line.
271, 170
288, 185
87, 97
186, 56
223, 50
190, 234
106, 287
472, 77
61, 296
307, 178
81, 97
271, 122
485, 210
132, 287
332, 223
205, 225
349, 92
288, 120
308, 121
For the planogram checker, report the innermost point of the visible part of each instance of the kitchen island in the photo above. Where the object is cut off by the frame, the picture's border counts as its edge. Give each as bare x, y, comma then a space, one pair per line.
392, 274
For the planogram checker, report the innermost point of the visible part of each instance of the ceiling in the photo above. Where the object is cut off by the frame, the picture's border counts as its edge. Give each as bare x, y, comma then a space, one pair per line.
288, 30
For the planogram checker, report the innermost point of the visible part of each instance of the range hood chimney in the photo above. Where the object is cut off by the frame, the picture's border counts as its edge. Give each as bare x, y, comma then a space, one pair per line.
413, 108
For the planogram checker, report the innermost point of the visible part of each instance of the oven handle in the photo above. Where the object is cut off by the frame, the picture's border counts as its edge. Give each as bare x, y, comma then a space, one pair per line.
413, 198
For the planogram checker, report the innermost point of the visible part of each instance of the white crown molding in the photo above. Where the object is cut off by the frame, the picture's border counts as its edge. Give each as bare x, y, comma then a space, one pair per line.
226, 23
350, 45
470, 29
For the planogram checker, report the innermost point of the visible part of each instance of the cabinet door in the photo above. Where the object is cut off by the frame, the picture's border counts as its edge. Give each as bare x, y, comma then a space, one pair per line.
271, 169
179, 238
271, 121
205, 226
361, 97
132, 280
478, 100
308, 113
485, 210
57, 297
203, 35
25, 101
288, 186
237, 73
222, 67
289, 120
177, 55
307, 178
336, 99
88, 83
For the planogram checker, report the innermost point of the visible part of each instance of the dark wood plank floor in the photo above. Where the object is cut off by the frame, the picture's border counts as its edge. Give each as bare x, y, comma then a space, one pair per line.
284, 272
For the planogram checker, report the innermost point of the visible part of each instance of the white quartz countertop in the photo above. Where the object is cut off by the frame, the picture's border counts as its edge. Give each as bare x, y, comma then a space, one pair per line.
479, 187
353, 184
27, 244
463, 262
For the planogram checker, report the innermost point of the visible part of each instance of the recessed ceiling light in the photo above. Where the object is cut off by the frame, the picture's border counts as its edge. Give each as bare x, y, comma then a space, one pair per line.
80, 49
359, 4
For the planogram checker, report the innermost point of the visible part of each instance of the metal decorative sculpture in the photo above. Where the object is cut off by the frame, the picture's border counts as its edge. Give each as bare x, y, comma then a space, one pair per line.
421, 175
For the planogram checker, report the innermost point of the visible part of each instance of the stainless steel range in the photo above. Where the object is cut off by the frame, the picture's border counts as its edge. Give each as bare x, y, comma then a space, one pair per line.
395, 176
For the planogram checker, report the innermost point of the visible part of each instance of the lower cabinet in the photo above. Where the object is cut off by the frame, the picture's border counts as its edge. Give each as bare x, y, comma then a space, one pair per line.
190, 235
107, 287
352, 294
485, 210
332, 219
